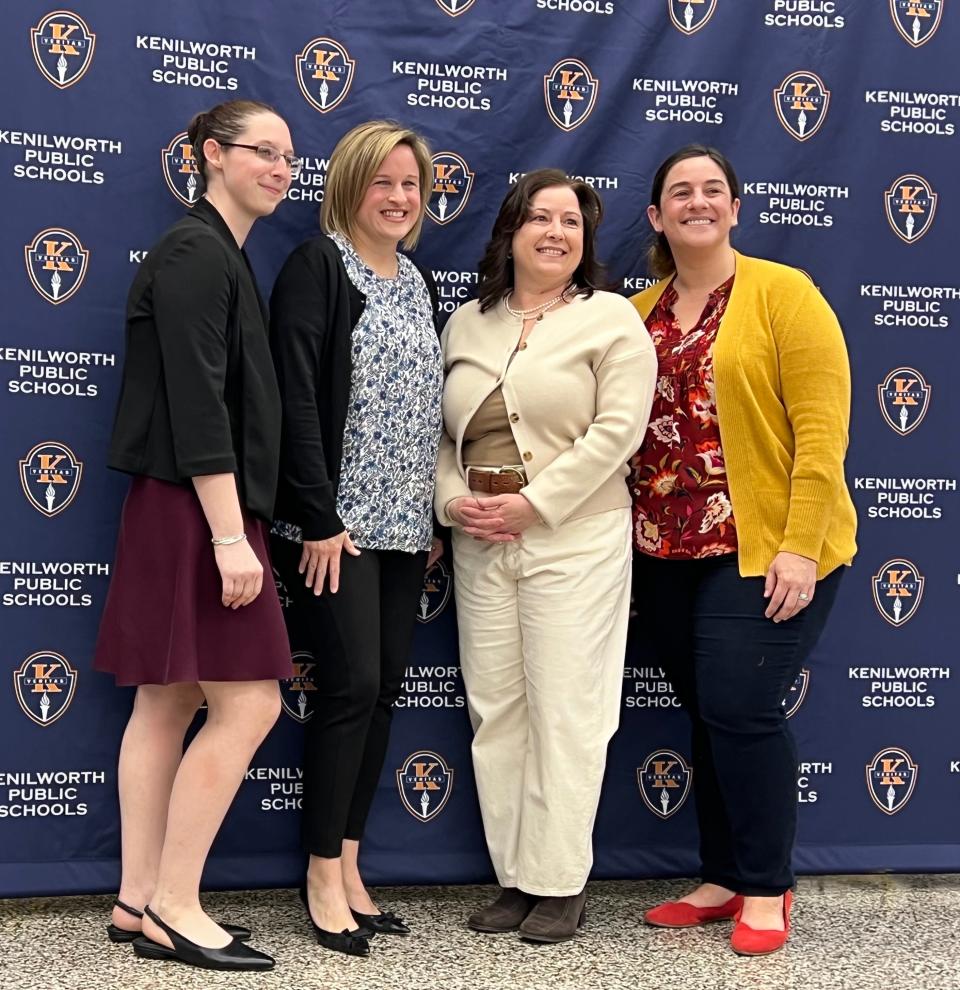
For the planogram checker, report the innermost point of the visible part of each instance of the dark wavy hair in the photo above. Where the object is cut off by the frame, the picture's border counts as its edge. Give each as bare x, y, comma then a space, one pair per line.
496, 266
659, 256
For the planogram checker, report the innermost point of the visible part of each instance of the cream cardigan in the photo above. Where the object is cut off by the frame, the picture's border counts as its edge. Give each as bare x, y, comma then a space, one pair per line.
578, 398
783, 403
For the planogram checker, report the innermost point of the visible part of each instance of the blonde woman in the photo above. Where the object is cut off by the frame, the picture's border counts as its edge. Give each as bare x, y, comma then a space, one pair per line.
358, 361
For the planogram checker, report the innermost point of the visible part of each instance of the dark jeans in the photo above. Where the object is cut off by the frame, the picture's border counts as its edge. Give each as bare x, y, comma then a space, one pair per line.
731, 669
361, 639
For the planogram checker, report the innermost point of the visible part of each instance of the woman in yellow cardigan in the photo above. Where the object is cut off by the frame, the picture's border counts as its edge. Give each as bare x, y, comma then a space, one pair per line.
741, 521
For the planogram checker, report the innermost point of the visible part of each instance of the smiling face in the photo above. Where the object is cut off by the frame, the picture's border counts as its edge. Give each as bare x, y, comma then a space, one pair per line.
696, 211
391, 205
254, 186
548, 246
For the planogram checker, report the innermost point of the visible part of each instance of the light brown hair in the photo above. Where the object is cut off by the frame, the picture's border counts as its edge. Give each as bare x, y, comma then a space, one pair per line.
354, 163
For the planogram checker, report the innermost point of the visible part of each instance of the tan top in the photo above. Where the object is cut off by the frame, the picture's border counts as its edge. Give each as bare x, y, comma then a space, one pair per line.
488, 440
577, 398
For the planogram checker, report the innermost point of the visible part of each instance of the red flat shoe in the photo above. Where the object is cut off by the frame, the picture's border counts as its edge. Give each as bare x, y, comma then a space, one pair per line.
747, 941
679, 914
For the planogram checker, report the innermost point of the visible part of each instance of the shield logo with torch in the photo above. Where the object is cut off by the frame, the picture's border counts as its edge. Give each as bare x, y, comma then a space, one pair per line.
296, 693
425, 783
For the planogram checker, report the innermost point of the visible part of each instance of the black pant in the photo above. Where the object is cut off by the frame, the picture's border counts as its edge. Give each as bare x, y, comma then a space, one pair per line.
731, 668
361, 639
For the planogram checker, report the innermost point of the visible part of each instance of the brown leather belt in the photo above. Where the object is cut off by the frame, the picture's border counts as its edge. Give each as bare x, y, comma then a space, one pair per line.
505, 481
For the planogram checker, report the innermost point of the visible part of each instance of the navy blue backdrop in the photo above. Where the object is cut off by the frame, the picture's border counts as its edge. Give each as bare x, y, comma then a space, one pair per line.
841, 117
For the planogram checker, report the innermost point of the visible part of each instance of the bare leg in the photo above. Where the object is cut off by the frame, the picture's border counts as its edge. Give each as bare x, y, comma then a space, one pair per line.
356, 891
329, 907
239, 717
149, 756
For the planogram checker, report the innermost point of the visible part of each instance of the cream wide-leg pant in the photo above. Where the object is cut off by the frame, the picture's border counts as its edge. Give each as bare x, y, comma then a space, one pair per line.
543, 629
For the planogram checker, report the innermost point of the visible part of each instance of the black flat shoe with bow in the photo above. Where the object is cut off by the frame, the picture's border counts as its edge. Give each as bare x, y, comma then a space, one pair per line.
385, 923
235, 955
123, 935
354, 943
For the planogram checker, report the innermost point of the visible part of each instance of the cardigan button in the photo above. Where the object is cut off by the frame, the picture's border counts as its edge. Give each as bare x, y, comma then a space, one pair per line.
527, 456
514, 418
522, 346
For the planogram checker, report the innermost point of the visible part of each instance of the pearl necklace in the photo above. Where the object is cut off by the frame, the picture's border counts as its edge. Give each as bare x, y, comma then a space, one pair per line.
524, 314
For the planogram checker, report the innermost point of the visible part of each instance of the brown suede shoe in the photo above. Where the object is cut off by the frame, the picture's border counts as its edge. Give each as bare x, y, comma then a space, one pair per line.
555, 919
505, 913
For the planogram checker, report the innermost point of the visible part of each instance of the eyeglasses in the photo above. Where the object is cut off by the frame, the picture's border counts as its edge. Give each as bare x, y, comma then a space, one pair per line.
267, 154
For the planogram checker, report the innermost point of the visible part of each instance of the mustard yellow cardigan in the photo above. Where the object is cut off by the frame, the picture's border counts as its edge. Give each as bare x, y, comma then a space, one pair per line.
783, 403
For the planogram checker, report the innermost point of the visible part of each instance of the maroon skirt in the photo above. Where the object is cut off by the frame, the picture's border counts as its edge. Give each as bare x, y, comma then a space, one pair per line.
163, 622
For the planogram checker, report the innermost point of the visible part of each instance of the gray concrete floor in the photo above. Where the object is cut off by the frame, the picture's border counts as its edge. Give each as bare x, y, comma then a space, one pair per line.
875, 933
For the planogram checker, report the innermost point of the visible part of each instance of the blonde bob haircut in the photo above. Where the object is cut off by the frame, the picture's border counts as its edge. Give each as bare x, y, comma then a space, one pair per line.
354, 163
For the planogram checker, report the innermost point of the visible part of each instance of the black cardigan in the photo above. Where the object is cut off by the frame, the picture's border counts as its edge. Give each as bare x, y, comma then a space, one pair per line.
313, 310
199, 394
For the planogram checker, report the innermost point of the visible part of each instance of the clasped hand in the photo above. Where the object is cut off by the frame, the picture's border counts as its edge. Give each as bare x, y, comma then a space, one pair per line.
496, 519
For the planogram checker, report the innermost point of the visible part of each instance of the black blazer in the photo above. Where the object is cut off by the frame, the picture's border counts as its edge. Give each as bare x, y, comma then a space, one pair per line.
199, 394
313, 310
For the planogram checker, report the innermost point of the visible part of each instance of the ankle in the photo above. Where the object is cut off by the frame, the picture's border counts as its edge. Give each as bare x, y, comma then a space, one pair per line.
764, 913
759, 902
134, 897
325, 891
708, 895
169, 905
354, 886
323, 872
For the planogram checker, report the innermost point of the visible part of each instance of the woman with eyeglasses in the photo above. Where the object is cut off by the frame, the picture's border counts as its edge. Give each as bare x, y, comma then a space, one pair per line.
189, 617
355, 342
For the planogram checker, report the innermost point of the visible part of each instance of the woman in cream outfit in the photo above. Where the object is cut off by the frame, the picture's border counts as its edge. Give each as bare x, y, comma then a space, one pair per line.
549, 387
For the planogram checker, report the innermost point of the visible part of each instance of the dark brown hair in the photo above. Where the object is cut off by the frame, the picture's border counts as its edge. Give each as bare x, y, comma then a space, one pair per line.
659, 256
496, 266
224, 122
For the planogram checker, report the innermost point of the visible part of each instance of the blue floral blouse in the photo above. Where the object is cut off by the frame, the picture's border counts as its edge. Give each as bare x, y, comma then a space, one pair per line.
392, 432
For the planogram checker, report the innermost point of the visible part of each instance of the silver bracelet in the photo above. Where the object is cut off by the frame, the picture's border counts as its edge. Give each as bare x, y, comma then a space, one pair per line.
225, 541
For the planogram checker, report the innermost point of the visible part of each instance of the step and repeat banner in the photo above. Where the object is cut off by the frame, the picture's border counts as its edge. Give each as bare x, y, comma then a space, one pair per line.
841, 118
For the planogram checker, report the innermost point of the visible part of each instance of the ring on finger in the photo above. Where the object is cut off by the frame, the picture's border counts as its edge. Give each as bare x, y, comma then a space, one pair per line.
803, 596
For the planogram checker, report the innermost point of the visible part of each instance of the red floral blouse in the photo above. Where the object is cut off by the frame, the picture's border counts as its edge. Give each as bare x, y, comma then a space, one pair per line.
681, 503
